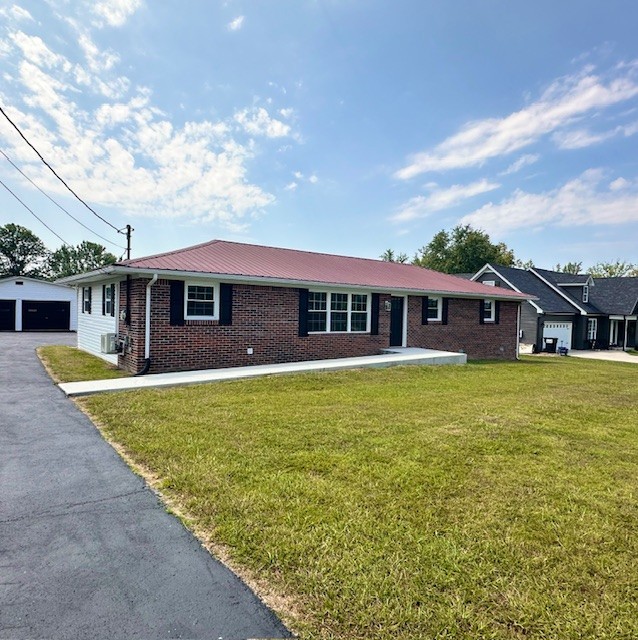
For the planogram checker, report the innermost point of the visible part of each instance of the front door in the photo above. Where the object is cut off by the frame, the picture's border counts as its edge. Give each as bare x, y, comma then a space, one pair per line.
396, 322
616, 333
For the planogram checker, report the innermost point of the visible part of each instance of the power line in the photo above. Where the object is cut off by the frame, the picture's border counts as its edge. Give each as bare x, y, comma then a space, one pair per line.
34, 214
57, 204
95, 213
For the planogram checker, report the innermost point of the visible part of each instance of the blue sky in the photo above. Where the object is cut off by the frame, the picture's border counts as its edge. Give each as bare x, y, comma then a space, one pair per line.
341, 126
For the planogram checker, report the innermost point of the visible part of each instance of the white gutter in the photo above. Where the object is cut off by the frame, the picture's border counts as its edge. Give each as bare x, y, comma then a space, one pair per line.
147, 327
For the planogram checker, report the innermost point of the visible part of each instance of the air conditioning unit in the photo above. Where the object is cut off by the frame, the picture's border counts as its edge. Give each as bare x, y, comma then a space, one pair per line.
108, 343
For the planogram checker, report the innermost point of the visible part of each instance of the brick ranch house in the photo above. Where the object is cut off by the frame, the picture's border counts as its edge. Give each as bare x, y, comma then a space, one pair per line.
227, 304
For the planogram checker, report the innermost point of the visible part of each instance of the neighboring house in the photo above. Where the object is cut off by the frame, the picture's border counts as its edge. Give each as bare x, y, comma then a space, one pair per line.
226, 304
572, 311
28, 304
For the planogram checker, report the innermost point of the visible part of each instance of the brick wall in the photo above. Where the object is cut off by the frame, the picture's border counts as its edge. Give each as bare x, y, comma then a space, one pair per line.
266, 319
463, 332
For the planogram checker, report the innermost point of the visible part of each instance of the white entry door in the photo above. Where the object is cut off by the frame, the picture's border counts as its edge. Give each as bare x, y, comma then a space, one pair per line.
562, 331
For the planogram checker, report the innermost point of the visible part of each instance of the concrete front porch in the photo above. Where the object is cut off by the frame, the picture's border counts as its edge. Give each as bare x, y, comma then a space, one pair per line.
389, 358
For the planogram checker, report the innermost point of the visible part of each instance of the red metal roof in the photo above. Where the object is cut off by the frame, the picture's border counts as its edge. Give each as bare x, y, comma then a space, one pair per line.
271, 263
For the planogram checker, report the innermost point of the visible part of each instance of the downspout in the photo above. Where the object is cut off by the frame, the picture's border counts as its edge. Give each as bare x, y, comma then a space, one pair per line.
147, 329
518, 331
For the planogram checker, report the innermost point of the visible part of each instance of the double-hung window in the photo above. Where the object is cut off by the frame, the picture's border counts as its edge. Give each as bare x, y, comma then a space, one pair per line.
434, 308
108, 300
335, 312
489, 311
86, 299
200, 302
592, 328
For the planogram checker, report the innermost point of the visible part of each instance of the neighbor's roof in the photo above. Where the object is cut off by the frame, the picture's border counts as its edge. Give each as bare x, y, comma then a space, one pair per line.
615, 295
548, 300
241, 261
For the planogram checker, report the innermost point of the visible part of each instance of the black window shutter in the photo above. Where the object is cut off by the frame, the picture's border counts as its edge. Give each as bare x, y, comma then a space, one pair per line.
103, 299
225, 304
497, 311
481, 311
303, 313
424, 309
113, 300
374, 315
444, 302
90, 297
177, 303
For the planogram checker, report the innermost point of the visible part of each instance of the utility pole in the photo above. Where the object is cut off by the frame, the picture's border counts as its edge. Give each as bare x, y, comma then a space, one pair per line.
129, 229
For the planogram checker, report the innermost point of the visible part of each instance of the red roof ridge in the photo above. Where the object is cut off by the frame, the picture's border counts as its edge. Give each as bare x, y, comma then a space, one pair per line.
264, 246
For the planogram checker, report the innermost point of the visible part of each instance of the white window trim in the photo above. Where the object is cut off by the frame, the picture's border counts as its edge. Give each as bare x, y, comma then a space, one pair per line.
349, 311
492, 317
593, 323
489, 283
439, 309
86, 299
586, 293
109, 287
200, 283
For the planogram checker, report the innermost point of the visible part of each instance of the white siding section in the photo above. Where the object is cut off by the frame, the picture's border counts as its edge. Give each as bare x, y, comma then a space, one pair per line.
92, 325
39, 290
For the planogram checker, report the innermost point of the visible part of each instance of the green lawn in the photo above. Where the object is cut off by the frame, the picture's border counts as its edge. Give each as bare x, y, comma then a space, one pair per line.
495, 500
68, 364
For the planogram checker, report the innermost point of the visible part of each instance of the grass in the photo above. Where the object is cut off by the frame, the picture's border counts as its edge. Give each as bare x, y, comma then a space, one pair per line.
495, 500
632, 352
68, 364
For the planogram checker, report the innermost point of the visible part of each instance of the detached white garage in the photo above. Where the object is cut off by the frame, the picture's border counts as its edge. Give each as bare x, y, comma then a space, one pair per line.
28, 304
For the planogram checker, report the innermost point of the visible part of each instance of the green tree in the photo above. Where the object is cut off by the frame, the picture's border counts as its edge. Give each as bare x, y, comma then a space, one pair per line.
569, 267
390, 256
86, 256
22, 253
519, 264
463, 250
617, 269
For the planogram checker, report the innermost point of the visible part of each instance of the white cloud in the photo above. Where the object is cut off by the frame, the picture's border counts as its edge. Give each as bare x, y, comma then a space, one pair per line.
564, 101
439, 199
16, 13
298, 175
291, 186
524, 161
286, 113
118, 149
257, 122
236, 24
580, 138
115, 12
313, 179
581, 201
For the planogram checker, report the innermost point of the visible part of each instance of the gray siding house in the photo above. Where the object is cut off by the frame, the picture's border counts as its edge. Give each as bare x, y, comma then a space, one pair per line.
571, 311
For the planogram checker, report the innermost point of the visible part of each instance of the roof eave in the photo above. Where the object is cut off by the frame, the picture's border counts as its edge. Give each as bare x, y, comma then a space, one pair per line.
100, 274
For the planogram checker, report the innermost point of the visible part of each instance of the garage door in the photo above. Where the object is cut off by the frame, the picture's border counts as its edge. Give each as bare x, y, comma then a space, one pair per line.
7, 315
562, 331
45, 315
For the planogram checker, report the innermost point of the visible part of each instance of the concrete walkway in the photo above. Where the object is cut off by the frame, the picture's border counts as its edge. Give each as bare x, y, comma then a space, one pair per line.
86, 549
612, 355
393, 357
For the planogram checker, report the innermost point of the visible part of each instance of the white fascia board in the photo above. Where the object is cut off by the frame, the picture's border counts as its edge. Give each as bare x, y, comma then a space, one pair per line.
491, 269
486, 267
560, 293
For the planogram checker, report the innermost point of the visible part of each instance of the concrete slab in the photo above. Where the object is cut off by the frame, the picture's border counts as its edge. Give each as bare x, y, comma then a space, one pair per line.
393, 357
613, 356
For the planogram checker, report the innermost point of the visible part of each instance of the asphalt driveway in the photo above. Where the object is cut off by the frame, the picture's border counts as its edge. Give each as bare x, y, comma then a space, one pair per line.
86, 549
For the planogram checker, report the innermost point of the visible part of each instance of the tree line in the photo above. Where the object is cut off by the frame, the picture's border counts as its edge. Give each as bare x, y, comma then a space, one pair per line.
465, 250
22, 253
